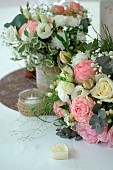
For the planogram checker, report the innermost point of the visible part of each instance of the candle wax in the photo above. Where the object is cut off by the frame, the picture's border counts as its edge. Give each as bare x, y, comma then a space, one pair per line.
59, 151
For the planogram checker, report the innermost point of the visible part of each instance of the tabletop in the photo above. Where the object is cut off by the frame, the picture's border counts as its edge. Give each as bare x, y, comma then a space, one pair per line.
25, 142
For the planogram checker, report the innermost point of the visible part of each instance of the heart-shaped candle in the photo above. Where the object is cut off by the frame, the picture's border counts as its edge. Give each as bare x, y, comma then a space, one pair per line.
59, 151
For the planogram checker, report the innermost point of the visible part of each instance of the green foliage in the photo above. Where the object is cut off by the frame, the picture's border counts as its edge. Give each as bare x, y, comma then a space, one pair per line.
98, 122
18, 21
85, 23
47, 104
106, 63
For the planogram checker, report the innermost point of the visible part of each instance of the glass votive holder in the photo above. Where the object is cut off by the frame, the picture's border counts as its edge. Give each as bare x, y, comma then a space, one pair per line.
28, 99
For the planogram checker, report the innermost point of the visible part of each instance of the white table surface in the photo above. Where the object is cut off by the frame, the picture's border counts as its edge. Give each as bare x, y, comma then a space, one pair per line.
25, 142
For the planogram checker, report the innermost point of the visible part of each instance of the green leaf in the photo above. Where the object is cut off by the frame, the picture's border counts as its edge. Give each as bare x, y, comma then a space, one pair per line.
49, 63
18, 37
21, 48
67, 38
26, 33
88, 46
98, 128
54, 24
102, 60
67, 58
18, 21
34, 40
63, 42
85, 23
102, 114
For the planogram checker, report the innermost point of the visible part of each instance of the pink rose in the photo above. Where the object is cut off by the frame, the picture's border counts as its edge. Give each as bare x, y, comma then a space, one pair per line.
83, 71
103, 137
87, 133
81, 108
74, 6
110, 137
57, 9
31, 25
57, 108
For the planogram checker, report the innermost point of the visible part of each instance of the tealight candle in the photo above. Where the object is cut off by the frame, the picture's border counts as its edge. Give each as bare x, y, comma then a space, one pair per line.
32, 100
31, 96
59, 151
28, 99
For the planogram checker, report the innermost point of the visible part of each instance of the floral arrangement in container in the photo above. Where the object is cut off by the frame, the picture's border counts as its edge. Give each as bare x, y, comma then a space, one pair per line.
39, 33
82, 96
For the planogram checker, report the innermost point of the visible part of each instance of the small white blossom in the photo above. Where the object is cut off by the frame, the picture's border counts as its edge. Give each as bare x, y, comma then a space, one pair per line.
60, 20
72, 21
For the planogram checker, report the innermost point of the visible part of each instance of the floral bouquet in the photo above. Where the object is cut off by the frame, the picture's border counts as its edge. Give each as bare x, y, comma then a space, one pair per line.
82, 96
39, 33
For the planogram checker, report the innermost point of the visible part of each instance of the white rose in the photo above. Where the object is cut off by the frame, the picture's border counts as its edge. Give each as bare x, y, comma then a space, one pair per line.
29, 37
60, 20
81, 36
71, 21
103, 90
11, 33
79, 58
64, 89
67, 73
79, 90
44, 30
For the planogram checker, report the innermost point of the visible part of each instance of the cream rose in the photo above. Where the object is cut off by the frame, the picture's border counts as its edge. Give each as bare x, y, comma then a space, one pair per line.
64, 89
103, 90
44, 30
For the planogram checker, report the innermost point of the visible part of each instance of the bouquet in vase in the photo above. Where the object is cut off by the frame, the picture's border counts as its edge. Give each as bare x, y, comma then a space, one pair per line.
39, 33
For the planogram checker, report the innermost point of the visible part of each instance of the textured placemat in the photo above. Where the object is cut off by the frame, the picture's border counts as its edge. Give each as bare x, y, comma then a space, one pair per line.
11, 85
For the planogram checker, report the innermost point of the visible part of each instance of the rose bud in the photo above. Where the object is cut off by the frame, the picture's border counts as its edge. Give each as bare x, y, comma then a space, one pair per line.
65, 57
88, 84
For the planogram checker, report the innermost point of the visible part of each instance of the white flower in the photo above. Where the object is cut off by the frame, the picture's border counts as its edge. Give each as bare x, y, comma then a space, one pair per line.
26, 13
79, 58
57, 43
11, 33
60, 20
79, 90
43, 18
44, 30
81, 36
71, 21
103, 90
64, 89
67, 73
29, 37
